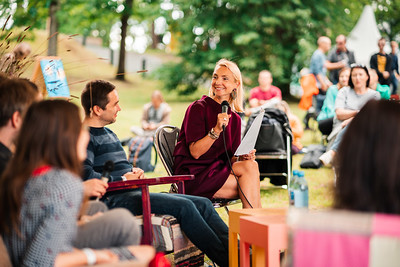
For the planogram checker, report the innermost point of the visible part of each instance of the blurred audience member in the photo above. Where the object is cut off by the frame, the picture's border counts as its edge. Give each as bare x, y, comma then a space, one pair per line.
383, 90
348, 103
395, 67
339, 54
325, 117
382, 63
11, 62
265, 91
295, 125
318, 67
155, 114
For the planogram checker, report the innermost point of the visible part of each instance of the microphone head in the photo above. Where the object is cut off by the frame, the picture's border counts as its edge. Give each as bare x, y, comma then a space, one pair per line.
224, 106
108, 166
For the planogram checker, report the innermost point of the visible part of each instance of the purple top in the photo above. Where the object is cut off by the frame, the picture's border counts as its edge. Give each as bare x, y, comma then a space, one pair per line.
212, 169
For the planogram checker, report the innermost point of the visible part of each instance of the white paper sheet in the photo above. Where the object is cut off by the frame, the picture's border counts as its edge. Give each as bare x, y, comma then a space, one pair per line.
249, 140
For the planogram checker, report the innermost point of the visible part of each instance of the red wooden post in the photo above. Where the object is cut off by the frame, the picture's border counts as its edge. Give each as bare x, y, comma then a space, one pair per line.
147, 228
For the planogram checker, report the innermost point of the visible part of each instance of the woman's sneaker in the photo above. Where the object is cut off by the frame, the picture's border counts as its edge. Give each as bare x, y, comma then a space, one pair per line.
327, 158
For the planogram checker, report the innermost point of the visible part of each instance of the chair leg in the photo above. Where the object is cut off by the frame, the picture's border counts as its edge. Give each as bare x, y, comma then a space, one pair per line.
226, 209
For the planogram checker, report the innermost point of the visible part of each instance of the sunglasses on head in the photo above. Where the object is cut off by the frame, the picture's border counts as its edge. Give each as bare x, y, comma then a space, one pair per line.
357, 66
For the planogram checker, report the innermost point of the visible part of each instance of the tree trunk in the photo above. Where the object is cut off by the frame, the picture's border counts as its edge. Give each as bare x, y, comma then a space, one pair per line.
53, 28
154, 37
124, 27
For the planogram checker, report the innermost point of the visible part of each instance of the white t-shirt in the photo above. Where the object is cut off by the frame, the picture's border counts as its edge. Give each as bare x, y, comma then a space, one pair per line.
347, 98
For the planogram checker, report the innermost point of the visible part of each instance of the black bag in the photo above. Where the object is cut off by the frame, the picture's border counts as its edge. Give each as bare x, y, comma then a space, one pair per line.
311, 159
274, 128
140, 148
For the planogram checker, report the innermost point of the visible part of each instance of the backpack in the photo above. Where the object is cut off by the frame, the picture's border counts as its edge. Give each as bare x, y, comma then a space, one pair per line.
311, 159
139, 155
273, 131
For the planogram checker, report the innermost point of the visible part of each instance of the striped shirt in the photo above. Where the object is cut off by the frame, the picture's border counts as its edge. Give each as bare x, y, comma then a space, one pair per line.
104, 145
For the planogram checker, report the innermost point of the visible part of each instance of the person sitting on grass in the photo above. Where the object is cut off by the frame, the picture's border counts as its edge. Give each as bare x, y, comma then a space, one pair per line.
155, 114
348, 103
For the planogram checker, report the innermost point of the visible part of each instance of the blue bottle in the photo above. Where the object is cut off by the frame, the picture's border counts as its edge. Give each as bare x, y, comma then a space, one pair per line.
300, 189
291, 192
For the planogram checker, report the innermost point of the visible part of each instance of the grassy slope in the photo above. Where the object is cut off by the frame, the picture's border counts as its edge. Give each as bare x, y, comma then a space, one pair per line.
81, 66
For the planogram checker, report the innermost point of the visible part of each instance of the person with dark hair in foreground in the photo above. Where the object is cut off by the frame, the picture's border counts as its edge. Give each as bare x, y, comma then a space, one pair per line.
368, 173
196, 215
40, 203
16, 95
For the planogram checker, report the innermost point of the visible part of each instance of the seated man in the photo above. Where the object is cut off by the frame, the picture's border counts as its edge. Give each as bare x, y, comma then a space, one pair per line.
16, 95
196, 215
266, 92
155, 114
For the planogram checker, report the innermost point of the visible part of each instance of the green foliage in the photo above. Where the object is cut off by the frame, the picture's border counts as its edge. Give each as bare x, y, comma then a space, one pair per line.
387, 16
256, 34
74, 16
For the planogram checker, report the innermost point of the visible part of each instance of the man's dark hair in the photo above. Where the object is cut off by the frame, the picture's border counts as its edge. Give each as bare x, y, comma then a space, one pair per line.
15, 95
95, 94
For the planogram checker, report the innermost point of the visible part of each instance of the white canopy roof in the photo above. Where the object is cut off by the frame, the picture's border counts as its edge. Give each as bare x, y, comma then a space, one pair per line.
363, 39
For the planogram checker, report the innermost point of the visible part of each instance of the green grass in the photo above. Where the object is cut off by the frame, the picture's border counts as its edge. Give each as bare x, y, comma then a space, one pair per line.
82, 66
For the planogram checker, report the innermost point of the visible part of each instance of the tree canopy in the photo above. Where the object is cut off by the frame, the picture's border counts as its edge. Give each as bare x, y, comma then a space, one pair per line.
256, 34
278, 35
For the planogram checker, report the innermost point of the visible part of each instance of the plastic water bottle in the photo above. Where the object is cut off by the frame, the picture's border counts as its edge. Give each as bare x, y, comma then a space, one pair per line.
291, 192
300, 189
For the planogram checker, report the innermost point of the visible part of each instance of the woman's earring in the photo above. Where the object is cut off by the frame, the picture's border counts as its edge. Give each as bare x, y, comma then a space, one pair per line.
233, 94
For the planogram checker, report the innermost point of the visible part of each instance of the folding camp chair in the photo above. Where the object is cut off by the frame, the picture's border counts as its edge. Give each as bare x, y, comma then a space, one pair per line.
165, 140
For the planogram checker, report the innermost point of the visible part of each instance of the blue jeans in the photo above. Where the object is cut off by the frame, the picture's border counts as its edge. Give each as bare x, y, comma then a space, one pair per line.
338, 139
196, 215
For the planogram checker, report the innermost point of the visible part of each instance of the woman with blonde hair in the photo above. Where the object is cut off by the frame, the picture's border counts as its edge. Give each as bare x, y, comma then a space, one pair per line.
209, 139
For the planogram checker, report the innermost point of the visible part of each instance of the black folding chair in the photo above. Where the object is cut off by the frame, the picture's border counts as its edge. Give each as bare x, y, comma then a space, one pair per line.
165, 140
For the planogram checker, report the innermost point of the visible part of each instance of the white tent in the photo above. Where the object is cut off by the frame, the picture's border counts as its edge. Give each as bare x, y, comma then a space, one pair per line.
363, 39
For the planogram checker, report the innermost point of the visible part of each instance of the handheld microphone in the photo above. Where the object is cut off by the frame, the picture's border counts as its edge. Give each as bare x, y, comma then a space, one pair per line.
105, 175
224, 109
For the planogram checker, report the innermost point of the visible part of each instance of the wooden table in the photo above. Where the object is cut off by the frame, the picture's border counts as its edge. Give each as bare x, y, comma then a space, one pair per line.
267, 234
144, 184
234, 228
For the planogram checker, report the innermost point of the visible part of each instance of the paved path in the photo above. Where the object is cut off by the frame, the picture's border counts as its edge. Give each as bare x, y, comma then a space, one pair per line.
133, 61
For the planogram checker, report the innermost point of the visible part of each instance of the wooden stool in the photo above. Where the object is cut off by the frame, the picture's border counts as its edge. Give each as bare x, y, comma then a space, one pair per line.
234, 228
267, 234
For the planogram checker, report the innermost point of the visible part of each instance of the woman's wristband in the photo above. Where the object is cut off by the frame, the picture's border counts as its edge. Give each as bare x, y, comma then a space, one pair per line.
212, 134
90, 256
